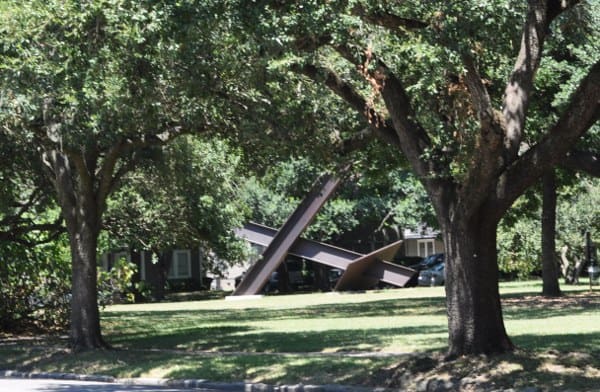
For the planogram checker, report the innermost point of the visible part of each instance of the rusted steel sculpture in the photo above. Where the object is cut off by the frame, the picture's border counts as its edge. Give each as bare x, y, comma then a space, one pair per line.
260, 272
360, 271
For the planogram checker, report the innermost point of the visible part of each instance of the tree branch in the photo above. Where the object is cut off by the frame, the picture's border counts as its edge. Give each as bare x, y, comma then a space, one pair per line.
85, 177
485, 163
107, 179
105, 173
22, 208
581, 113
15, 233
520, 84
61, 177
414, 141
378, 124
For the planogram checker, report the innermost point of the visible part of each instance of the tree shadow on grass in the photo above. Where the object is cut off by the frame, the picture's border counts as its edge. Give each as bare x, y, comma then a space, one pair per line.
232, 338
275, 369
587, 342
536, 306
547, 370
402, 307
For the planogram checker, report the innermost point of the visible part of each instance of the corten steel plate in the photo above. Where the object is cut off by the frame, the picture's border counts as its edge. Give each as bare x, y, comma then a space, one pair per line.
357, 275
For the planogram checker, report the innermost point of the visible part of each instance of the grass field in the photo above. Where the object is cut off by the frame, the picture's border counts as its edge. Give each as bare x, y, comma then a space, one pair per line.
361, 338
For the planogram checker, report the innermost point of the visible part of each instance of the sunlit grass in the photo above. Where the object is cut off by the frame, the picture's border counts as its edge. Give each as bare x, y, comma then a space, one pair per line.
308, 337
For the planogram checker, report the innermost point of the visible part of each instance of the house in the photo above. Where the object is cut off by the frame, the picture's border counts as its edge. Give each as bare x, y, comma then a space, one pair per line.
421, 243
179, 269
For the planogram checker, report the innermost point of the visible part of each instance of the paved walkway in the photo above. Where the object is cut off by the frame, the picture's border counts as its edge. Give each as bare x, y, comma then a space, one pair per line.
67, 382
46, 385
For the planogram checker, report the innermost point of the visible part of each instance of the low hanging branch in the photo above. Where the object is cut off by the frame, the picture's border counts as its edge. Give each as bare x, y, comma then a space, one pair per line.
18, 233
343, 89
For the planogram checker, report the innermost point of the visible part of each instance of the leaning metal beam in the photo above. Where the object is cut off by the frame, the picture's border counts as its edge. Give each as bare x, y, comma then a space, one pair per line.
261, 271
361, 271
308, 249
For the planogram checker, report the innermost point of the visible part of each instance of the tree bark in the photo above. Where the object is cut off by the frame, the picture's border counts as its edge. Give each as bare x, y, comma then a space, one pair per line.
85, 317
475, 323
550, 270
82, 214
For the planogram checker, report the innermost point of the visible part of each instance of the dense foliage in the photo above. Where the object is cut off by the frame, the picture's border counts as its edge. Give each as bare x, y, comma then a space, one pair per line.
480, 99
185, 196
34, 286
519, 233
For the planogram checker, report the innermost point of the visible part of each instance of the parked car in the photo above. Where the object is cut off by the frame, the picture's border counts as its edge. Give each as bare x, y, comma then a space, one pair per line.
434, 276
429, 262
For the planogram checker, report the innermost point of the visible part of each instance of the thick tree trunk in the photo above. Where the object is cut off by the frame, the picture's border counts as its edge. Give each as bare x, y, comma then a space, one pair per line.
550, 270
475, 323
85, 317
82, 214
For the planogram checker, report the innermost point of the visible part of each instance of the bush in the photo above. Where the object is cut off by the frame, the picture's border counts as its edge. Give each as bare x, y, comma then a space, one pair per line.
34, 287
115, 286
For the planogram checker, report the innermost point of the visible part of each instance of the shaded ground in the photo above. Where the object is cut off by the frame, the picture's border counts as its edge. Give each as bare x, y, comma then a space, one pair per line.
351, 343
550, 370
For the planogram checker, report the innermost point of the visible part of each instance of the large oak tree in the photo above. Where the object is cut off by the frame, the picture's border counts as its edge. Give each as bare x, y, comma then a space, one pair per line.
88, 87
451, 86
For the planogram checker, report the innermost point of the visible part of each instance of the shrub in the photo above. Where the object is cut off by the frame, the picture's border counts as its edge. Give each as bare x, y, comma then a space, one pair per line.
116, 286
34, 287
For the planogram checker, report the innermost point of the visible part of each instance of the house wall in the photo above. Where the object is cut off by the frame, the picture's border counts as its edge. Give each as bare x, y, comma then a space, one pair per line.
153, 271
411, 247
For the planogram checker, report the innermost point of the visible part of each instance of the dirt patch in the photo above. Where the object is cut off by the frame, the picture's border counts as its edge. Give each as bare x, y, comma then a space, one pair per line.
519, 371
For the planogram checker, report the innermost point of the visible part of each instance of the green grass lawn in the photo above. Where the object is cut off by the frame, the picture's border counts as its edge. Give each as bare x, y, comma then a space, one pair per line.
315, 338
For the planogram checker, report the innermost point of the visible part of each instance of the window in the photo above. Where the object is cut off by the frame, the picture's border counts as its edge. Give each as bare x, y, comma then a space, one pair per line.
181, 265
426, 247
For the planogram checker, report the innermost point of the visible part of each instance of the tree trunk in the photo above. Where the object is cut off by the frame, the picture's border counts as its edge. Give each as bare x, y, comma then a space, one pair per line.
550, 270
85, 317
475, 323
82, 214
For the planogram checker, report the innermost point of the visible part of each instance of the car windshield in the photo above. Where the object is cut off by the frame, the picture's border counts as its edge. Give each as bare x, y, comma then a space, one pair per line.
430, 260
